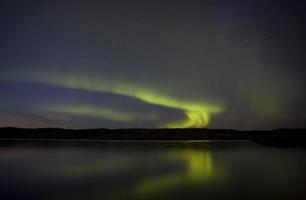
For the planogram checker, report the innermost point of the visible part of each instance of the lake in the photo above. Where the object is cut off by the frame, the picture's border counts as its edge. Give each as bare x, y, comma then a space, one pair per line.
158, 170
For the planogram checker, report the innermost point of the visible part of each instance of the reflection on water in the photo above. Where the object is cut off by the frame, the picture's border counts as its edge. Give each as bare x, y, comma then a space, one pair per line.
198, 168
149, 170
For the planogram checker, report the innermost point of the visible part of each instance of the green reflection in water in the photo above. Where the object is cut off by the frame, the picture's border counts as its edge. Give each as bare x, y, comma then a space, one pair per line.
199, 169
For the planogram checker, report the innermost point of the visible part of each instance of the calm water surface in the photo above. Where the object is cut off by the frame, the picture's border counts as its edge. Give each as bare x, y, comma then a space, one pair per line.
150, 170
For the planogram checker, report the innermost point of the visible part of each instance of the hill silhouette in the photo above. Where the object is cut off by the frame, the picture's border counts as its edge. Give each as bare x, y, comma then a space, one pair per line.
279, 137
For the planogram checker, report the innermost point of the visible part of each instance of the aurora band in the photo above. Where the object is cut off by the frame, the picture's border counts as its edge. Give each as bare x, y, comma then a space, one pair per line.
197, 114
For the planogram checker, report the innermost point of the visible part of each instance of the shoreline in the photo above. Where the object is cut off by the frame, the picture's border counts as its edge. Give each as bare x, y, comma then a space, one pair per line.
278, 137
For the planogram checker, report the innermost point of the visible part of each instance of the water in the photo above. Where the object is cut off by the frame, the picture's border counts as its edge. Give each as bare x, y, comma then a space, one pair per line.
150, 170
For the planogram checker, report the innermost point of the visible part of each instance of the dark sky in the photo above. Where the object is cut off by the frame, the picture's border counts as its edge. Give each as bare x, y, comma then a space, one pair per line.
126, 64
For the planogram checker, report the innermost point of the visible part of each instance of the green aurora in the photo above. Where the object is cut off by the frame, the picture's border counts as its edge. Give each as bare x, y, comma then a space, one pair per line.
98, 112
92, 64
197, 113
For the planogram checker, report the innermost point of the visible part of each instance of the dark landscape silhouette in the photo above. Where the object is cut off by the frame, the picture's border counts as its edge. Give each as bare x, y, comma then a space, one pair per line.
279, 137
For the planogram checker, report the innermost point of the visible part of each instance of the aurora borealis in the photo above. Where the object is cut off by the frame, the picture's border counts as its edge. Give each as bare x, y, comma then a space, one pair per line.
155, 64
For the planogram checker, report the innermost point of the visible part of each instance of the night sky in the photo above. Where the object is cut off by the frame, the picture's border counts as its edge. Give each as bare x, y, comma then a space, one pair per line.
236, 64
